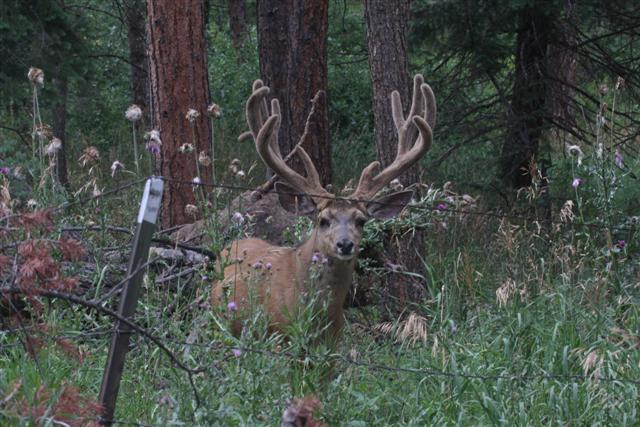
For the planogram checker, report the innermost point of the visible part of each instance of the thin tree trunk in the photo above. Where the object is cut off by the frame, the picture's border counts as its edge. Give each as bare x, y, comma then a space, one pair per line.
387, 22
59, 110
292, 44
237, 22
520, 149
136, 31
178, 62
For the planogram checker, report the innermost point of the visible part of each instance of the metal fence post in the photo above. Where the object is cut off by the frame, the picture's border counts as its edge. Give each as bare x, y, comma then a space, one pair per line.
147, 217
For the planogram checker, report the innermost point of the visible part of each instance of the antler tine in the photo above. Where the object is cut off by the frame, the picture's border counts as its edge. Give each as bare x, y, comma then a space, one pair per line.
267, 147
422, 116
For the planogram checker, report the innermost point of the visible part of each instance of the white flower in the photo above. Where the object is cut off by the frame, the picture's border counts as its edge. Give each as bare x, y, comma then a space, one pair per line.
36, 76
186, 148
214, 110
240, 174
154, 136
115, 167
192, 115
32, 204
133, 113
576, 151
54, 146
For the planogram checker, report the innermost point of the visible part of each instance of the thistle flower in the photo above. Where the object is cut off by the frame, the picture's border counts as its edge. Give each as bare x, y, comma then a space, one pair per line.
191, 210
196, 182
315, 258
237, 218
89, 155
620, 83
236, 352
576, 182
441, 207
153, 147
186, 148
153, 136
268, 266
204, 159
53, 147
192, 115
232, 306
240, 174
43, 131
214, 110
258, 265
622, 244
5, 170
115, 167
36, 76
32, 204
133, 113
576, 151
617, 159
396, 185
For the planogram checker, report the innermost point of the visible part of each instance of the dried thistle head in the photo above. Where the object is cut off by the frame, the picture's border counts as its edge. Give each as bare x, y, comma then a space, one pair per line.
603, 89
186, 148
192, 115
53, 147
90, 155
115, 167
204, 159
36, 76
620, 83
133, 113
214, 110
396, 185
576, 151
43, 131
240, 174
191, 210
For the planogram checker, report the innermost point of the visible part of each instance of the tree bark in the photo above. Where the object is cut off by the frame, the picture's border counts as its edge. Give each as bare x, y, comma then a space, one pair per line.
520, 149
292, 44
178, 63
386, 22
237, 22
136, 32
59, 109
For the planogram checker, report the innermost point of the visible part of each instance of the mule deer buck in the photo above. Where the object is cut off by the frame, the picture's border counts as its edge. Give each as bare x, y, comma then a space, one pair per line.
277, 277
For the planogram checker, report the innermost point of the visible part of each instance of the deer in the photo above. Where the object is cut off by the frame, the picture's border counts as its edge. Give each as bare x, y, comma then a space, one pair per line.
277, 277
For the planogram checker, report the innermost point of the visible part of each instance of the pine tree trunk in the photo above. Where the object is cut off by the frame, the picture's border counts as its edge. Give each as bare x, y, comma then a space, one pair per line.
292, 43
178, 62
237, 22
520, 149
387, 22
59, 108
136, 32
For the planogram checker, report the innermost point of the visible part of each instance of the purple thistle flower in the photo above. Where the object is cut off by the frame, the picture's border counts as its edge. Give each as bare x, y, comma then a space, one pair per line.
617, 159
268, 266
622, 244
236, 352
576, 182
315, 258
258, 265
5, 170
237, 218
441, 207
153, 148
232, 306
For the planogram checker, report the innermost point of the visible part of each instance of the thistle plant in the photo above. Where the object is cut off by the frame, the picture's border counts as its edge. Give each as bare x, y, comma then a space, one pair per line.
134, 114
213, 111
36, 77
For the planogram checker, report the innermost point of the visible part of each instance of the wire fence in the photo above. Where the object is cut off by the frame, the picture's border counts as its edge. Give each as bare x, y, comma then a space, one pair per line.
99, 303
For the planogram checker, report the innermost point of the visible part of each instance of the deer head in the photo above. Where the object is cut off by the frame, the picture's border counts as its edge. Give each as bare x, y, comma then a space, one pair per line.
339, 221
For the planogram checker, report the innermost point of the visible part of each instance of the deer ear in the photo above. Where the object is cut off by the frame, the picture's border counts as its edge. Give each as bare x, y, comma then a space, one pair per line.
292, 201
388, 206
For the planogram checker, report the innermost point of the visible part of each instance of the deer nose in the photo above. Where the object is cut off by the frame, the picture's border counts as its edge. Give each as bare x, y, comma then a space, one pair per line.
345, 246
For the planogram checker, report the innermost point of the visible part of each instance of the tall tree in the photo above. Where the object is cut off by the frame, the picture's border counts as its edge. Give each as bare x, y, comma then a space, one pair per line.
520, 148
237, 11
387, 22
139, 65
178, 63
292, 44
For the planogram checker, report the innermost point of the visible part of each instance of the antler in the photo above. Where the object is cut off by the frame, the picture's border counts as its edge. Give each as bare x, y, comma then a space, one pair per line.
422, 117
264, 128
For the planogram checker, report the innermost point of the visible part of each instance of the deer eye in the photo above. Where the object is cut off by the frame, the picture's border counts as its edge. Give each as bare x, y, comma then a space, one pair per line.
360, 222
324, 222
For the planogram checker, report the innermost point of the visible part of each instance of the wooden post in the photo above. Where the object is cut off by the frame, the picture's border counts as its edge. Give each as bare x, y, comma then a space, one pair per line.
129, 299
